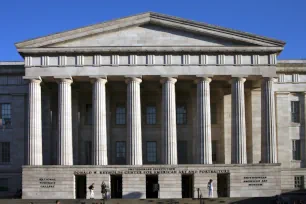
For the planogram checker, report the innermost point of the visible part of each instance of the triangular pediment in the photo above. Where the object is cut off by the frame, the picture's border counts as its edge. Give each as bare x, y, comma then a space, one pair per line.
149, 35
149, 29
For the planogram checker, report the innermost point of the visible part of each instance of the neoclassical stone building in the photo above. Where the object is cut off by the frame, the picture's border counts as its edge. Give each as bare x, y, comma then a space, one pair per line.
154, 106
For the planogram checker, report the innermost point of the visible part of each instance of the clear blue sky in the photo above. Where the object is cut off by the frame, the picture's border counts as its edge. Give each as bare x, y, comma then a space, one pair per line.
281, 19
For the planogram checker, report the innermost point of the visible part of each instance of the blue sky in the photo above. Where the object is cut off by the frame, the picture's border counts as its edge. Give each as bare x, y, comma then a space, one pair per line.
281, 19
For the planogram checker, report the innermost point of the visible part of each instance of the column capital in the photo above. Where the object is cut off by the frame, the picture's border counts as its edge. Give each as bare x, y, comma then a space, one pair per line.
204, 78
241, 79
273, 79
36, 79
102, 79
168, 79
132, 78
63, 79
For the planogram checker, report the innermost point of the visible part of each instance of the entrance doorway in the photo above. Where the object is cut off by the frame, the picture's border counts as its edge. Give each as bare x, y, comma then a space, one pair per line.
187, 186
152, 186
116, 186
80, 187
223, 185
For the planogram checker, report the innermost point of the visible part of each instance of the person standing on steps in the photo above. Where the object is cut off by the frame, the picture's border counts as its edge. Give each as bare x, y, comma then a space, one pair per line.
91, 191
210, 188
103, 190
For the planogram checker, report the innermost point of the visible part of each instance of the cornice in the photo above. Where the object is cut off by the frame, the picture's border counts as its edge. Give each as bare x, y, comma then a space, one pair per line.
154, 18
154, 49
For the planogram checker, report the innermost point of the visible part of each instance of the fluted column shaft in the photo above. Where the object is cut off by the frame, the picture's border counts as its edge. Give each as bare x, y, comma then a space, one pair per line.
269, 147
169, 135
134, 138
99, 133
65, 151
239, 155
203, 121
35, 156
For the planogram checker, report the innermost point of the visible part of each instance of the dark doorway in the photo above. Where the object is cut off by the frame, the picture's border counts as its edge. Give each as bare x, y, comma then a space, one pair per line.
152, 186
116, 186
223, 185
80, 187
187, 186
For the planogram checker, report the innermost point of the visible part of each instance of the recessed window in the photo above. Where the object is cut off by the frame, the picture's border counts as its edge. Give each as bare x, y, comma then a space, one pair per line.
5, 115
151, 152
120, 152
120, 115
5, 152
151, 115
214, 151
88, 152
181, 114
296, 149
88, 116
295, 111
182, 151
213, 112
3, 184
299, 182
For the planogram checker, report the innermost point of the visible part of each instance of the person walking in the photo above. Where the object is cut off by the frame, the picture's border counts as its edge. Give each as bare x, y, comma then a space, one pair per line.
210, 188
91, 191
103, 190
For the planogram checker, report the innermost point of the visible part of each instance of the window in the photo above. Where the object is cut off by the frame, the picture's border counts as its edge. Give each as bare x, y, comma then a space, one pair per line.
213, 112
214, 151
151, 152
5, 115
3, 184
182, 151
5, 152
151, 115
295, 111
88, 116
296, 149
88, 152
120, 115
120, 152
181, 114
299, 182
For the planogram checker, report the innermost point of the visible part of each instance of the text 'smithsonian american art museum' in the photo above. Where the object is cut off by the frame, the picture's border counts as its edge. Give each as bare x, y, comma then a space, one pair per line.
152, 99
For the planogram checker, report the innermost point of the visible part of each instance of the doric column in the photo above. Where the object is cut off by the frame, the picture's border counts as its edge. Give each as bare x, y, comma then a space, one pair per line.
65, 151
268, 128
99, 133
203, 121
239, 155
169, 138
35, 156
134, 138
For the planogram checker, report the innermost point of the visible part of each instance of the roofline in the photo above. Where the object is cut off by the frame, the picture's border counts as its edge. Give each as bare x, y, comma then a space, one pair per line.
149, 17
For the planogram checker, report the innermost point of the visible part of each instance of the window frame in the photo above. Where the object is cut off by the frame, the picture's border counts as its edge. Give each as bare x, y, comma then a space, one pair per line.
9, 125
183, 160
295, 107
152, 116
214, 154
117, 159
299, 182
184, 115
88, 116
154, 153
3, 188
296, 150
121, 114
214, 114
88, 150
5, 157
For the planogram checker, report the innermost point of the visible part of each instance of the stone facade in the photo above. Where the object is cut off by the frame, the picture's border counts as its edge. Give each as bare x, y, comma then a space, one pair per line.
223, 108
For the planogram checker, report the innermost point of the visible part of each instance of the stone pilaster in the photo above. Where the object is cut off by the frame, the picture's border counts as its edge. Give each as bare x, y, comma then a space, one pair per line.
203, 121
169, 135
35, 156
239, 155
268, 122
134, 138
65, 150
99, 131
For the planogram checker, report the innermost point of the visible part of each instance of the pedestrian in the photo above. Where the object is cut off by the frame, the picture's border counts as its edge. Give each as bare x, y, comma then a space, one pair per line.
210, 188
57, 202
103, 190
91, 191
